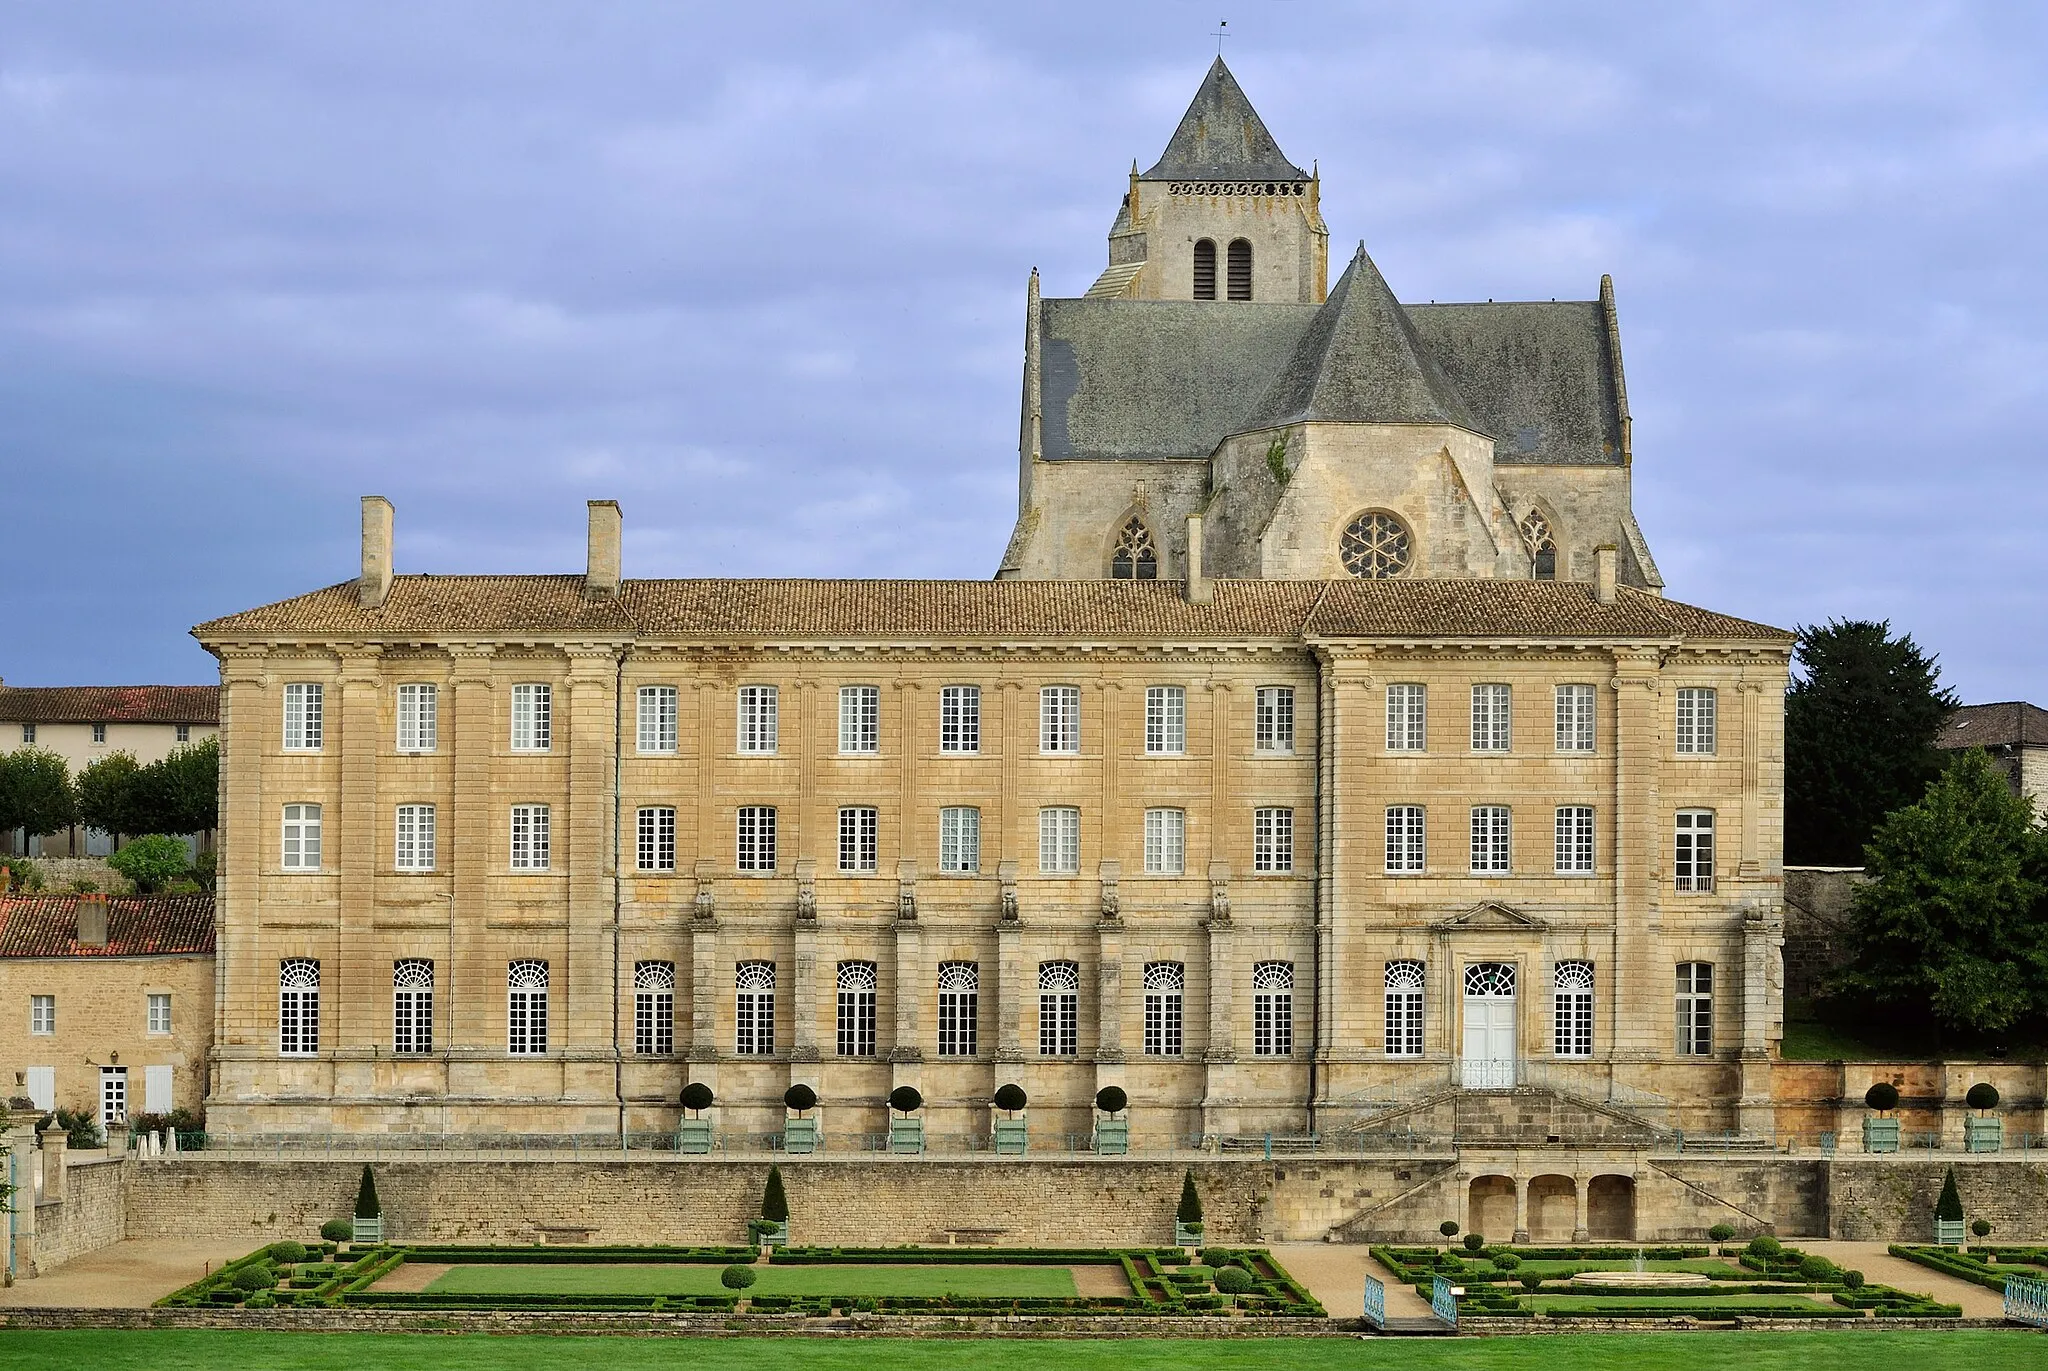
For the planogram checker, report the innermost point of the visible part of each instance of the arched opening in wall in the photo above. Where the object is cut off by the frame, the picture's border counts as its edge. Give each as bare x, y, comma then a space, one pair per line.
1240, 269
1135, 558
1553, 1209
1490, 1210
1205, 270
1542, 543
1611, 1209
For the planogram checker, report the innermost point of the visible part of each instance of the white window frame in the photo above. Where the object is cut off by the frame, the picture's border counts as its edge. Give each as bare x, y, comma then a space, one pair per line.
860, 720
1273, 840
754, 839
1571, 1014
298, 1007
1166, 721
532, 847
1166, 842
1695, 1009
1692, 852
1059, 841
1165, 1005
412, 844
1574, 708
654, 1008
42, 1015
1407, 717
960, 720
305, 722
1492, 840
419, 717
1059, 719
753, 1021
959, 840
113, 1097
156, 1013
854, 1015
526, 1007
1493, 708
1272, 1009
1574, 832
412, 1006
1407, 840
1406, 985
1698, 725
655, 715
533, 717
299, 849
1059, 1009
99, 735
181, 733
859, 840
959, 1009
28, 733
1273, 721
654, 838
759, 722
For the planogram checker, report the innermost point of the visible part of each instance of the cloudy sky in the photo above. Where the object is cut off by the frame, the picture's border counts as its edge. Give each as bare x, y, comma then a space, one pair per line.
757, 272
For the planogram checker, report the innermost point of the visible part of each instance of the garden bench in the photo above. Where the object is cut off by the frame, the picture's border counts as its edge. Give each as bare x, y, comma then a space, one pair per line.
986, 1236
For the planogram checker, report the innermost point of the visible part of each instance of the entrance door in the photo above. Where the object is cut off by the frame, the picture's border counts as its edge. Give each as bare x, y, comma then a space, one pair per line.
1489, 1057
113, 1098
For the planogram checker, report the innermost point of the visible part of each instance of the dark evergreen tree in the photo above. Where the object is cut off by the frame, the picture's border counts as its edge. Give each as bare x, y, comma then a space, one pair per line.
367, 1206
1950, 1206
774, 1203
1190, 1210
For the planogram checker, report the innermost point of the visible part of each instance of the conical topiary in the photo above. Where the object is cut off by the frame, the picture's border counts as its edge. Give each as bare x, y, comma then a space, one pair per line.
1190, 1211
368, 1208
774, 1203
1950, 1206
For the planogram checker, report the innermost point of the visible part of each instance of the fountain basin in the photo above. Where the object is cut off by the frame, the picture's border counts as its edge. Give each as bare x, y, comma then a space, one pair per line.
1638, 1280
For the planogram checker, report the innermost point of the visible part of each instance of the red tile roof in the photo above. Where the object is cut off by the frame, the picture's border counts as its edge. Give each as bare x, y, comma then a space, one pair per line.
2012, 723
137, 926
145, 704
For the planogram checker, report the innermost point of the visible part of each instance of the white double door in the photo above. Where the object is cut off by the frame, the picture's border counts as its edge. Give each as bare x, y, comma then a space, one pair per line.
1489, 1056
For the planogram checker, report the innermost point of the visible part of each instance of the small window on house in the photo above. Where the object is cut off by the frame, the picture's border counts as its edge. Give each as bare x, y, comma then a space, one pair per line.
1273, 719
754, 1009
856, 982
42, 1015
654, 847
1574, 711
301, 850
533, 718
99, 733
959, 840
1404, 840
1272, 1009
298, 1007
860, 719
159, 1013
657, 719
1059, 1014
303, 717
1059, 719
1165, 984
28, 733
182, 733
1166, 720
756, 838
1489, 840
1490, 718
654, 1008
1404, 1009
757, 724
1407, 719
413, 846
1273, 840
1166, 842
959, 1006
1696, 724
1135, 559
1575, 840
858, 846
419, 717
1240, 269
1205, 269
960, 719
412, 1005
531, 837
1059, 841
526, 1008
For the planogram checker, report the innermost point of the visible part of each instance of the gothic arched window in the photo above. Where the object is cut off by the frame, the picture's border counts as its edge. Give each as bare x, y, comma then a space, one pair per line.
1240, 269
1542, 544
1205, 270
1135, 559
1376, 545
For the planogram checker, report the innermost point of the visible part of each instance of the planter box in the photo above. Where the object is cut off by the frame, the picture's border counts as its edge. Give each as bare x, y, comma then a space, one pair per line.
771, 1235
1948, 1232
1983, 1135
1112, 1138
369, 1230
693, 1136
1184, 1236
800, 1135
1012, 1136
906, 1136
1880, 1135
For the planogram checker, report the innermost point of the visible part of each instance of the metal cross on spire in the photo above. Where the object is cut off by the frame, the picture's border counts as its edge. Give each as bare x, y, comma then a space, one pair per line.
1220, 35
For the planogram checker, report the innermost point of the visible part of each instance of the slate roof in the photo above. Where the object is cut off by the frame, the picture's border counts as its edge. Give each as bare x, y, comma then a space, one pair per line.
137, 926
145, 704
1222, 138
2012, 723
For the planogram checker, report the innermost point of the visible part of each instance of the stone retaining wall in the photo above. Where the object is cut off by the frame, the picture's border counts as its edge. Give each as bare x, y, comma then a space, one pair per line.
91, 1215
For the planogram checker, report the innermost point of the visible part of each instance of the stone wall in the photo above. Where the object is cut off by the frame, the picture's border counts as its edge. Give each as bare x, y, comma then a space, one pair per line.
1817, 909
1893, 1201
91, 1215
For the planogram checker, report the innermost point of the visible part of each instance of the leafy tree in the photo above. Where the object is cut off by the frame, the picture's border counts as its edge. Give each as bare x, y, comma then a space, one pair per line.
35, 792
1860, 724
179, 794
737, 1277
152, 862
1953, 923
774, 1202
106, 794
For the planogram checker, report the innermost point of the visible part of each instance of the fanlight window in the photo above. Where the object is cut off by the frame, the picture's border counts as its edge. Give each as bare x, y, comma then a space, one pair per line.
1490, 979
1542, 544
1059, 976
1135, 559
1273, 976
1375, 546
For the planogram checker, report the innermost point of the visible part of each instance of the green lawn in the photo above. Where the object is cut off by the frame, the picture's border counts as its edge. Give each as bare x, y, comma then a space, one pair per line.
486, 1279
1704, 1266
228, 1351
1617, 1304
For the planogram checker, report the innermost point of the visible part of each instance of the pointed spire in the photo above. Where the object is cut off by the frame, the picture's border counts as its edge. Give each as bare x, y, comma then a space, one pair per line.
1222, 138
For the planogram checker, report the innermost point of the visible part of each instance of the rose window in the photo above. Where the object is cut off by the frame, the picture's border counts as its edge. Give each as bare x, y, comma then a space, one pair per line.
1376, 546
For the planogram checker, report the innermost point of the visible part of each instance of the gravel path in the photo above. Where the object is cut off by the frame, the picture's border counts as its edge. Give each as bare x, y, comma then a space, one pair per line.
128, 1275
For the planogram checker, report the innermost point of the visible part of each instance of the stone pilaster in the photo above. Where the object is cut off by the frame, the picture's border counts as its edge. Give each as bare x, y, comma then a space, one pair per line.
804, 1005
910, 971
351, 1027
468, 998
1011, 990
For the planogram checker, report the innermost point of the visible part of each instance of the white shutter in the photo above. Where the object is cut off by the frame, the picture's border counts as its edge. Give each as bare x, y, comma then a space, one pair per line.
42, 1087
156, 1090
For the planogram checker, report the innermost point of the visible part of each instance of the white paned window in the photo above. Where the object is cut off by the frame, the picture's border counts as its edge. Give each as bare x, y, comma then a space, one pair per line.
1273, 719
531, 837
1574, 718
754, 1009
860, 719
1695, 1009
304, 727
856, 1009
1272, 1009
419, 718
412, 1005
1166, 720
1273, 840
757, 727
156, 1089
181, 733
113, 1097
1575, 840
298, 1007
1166, 842
533, 718
159, 1014
1490, 705
1059, 719
42, 1015
413, 847
657, 719
654, 846
1165, 984
756, 838
99, 731
1407, 718
1489, 839
960, 719
1404, 839
959, 1008
1059, 1009
959, 840
1571, 988
1697, 706
301, 851
526, 1008
1404, 1009
1692, 858
654, 1008
858, 842
1059, 841
28, 733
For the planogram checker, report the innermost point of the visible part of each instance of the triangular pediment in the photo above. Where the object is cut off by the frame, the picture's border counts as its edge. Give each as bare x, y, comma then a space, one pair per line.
1490, 914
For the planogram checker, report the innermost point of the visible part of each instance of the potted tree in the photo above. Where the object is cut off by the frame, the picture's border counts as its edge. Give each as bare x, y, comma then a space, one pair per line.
1948, 1213
693, 1134
800, 1134
1983, 1131
1187, 1219
1881, 1133
772, 1228
369, 1224
1112, 1133
1012, 1133
906, 1134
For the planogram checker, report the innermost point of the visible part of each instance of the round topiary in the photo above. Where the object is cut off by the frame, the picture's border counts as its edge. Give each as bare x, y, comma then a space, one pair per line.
904, 1099
1449, 1228
1111, 1099
697, 1095
800, 1097
338, 1230
254, 1276
1882, 1096
1983, 1095
1505, 1261
737, 1277
1853, 1279
286, 1253
1532, 1281
1474, 1241
1765, 1246
1234, 1280
1010, 1097
1721, 1232
1817, 1268
1981, 1227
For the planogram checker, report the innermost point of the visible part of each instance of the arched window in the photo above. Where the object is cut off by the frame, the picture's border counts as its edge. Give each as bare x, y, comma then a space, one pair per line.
1404, 1009
526, 1008
1059, 1003
1542, 544
1205, 270
298, 1007
1240, 269
1572, 1014
1376, 545
1135, 558
412, 1005
959, 1001
1165, 982
856, 1009
654, 1007
754, 1009
1272, 1009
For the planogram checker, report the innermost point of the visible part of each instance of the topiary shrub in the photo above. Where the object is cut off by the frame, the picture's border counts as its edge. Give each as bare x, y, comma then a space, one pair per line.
800, 1097
1721, 1232
286, 1253
1817, 1268
1765, 1247
254, 1276
905, 1099
367, 1205
1234, 1280
737, 1277
1853, 1279
697, 1096
1449, 1228
1981, 1227
262, 1299
1111, 1099
774, 1203
1474, 1241
337, 1230
1882, 1097
1983, 1095
1190, 1211
1950, 1206
1010, 1098
1505, 1261
1532, 1282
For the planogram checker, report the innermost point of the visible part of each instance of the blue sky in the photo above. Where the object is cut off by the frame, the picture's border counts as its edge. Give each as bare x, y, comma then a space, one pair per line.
757, 272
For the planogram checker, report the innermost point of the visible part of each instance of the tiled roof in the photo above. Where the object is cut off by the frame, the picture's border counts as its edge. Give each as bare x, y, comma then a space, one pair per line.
145, 704
137, 926
732, 610
2010, 723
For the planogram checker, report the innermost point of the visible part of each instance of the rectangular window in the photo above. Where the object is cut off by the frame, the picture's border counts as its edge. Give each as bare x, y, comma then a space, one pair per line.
1695, 1009
1572, 1009
1166, 720
28, 733
1575, 718
959, 1008
1407, 718
301, 838
654, 1008
156, 1090
1059, 841
531, 835
1404, 1009
533, 718
858, 826
1165, 984
159, 1014
413, 849
1059, 1009
1273, 719
99, 733
856, 1009
1489, 839
1273, 840
756, 838
1693, 855
298, 1007
1575, 840
657, 720
526, 1008
1272, 1009
1059, 719
754, 1009
757, 729
1490, 718
419, 718
960, 719
181, 733
42, 1015
1166, 843
302, 718
412, 1006
960, 841
1696, 710
860, 719
655, 839
1404, 839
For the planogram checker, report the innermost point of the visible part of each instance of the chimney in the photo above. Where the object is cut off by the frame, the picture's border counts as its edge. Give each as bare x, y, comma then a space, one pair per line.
1605, 560
1200, 590
601, 581
375, 585
91, 911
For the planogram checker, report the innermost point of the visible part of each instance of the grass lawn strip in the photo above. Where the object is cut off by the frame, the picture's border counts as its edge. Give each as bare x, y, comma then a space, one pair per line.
992, 1281
1621, 1304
